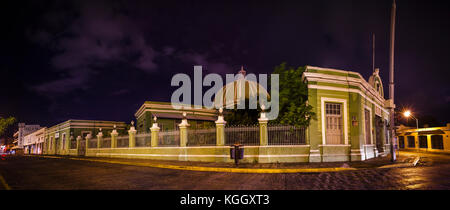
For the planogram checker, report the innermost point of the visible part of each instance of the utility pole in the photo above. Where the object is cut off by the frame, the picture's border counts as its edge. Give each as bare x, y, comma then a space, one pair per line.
391, 84
373, 52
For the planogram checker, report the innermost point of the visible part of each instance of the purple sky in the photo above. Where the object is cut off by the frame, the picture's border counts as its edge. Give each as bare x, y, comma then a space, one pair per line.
102, 59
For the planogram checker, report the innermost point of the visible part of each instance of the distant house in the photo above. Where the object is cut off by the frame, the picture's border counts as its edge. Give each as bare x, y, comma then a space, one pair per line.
58, 138
20, 134
168, 117
34, 142
434, 139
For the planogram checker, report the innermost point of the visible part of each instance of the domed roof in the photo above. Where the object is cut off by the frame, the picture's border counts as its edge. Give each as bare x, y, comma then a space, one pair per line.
237, 91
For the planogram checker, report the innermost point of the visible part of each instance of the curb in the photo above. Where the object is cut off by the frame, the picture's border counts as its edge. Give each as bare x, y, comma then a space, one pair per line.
217, 169
2, 180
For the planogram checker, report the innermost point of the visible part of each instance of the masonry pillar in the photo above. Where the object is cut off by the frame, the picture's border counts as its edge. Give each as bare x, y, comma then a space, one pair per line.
183, 130
220, 129
70, 141
99, 138
78, 142
132, 135
88, 138
114, 135
263, 120
155, 133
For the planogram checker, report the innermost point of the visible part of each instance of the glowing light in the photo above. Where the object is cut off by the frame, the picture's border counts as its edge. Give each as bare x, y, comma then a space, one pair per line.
407, 113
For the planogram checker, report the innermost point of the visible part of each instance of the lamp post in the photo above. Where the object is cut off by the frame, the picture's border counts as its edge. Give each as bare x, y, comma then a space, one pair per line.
408, 114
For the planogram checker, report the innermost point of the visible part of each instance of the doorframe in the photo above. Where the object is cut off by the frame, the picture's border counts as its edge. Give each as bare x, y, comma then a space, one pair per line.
323, 100
370, 125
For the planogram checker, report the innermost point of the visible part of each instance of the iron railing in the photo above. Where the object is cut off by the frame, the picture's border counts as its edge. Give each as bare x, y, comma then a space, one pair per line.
285, 135
92, 143
105, 143
169, 138
143, 140
123, 141
246, 135
201, 137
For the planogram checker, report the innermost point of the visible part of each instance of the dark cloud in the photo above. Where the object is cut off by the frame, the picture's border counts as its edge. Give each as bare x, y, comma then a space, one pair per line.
102, 59
98, 37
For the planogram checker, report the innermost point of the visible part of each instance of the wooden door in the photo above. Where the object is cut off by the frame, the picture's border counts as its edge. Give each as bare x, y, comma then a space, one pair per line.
333, 128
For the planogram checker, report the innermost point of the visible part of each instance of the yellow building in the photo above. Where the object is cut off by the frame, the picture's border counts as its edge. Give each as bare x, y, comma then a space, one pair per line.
435, 139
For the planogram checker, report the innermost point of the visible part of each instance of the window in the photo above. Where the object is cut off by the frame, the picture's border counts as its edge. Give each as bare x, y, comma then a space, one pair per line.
423, 142
411, 141
437, 142
401, 142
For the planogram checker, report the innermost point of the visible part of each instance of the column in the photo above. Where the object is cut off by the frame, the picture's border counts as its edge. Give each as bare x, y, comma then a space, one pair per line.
183, 130
263, 120
88, 138
114, 135
155, 133
99, 138
132, 135
220, 129
78, 142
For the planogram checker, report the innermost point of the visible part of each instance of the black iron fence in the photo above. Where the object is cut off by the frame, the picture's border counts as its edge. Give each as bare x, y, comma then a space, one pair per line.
143, 140
285, 135
105, 143
246, 135
92, 143
201, 137
169, 138
123, 141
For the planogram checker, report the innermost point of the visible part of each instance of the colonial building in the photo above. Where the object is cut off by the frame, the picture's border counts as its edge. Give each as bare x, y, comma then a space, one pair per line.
351, 125
34, 142
435, 139
21, 133
352, 120
59, 138
169, 118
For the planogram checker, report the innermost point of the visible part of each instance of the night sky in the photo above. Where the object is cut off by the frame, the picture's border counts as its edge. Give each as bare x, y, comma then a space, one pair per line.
101, 60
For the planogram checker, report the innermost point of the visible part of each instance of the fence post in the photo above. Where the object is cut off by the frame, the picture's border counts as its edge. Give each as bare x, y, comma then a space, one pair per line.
183, 130
132, 135
155, 133
99, 138
88, 137
78, 143
220, 129
263, 120
114, 135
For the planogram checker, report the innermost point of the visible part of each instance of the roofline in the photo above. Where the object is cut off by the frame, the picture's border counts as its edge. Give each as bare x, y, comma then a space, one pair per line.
76, 120
189, 107
365, 84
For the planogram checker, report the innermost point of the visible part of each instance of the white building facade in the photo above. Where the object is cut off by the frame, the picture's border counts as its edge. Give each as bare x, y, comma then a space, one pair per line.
25, 130
34, 142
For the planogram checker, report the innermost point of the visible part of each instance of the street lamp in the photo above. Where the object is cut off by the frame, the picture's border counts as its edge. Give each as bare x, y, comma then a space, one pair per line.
408, 114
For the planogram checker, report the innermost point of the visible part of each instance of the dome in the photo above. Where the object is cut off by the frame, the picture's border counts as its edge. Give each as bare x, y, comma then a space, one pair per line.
239, 90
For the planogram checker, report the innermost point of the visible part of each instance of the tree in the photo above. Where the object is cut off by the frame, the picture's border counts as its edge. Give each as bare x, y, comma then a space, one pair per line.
294, 109
293, 96
5, 123
242, 116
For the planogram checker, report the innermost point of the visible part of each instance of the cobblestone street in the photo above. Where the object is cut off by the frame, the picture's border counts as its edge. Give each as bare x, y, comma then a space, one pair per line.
51, 173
